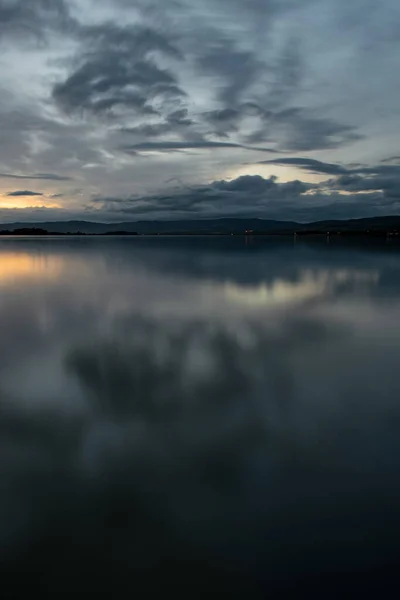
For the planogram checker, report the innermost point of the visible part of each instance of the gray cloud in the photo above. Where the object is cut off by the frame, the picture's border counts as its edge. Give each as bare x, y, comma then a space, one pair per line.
388, 184
236, 68
391, 159
118, 71
177, 146
149, 130
389, 170
255, 196
180, 117
380, 178
119, 75
176, 121
24, 193
247, 195
317, 166
34, 19
223, 115
271, 87
308, 164
218, 75
44, 176
304, 131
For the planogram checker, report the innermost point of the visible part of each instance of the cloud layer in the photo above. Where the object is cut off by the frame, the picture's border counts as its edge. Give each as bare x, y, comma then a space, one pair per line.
122, 98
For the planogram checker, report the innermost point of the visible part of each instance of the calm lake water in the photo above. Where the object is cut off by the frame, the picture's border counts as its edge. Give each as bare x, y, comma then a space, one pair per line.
198, 415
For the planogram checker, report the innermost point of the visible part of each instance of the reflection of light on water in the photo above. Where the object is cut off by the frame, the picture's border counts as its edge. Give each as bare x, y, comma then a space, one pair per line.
310, 285
276, 293
15, 265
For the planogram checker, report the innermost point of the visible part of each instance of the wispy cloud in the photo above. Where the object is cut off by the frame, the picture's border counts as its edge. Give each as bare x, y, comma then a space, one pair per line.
177, 146
44, 176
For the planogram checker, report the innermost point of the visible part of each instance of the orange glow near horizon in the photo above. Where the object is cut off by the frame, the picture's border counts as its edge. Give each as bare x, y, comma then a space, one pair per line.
17, 265
16, 203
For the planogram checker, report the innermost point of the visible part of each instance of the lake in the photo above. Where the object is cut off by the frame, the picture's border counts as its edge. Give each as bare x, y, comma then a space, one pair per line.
198, 416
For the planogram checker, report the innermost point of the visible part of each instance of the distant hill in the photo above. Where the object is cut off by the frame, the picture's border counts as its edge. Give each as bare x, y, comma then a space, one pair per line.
209, 226
153, 227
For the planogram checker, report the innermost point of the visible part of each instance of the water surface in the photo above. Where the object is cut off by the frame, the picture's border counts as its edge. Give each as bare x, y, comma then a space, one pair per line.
198, 415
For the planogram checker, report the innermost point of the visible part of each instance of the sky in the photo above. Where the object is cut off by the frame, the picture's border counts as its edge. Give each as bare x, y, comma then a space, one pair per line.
125, 110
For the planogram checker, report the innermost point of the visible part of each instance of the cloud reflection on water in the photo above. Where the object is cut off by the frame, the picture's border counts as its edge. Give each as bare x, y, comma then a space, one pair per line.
158, 427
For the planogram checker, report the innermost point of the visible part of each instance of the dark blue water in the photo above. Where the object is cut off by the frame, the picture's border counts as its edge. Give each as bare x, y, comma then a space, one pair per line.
199, 416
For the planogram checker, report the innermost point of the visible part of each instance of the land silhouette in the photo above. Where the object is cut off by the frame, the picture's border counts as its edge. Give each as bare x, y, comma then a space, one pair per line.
374, 226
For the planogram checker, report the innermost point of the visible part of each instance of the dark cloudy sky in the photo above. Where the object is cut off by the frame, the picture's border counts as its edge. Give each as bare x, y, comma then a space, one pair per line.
145, 109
